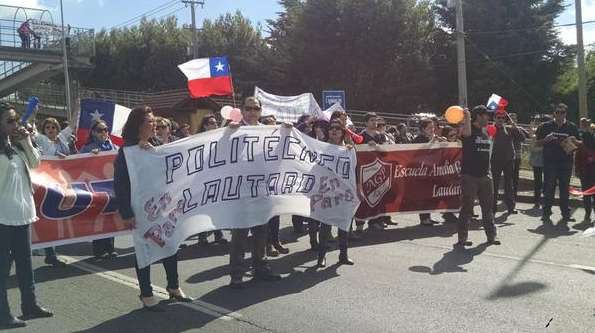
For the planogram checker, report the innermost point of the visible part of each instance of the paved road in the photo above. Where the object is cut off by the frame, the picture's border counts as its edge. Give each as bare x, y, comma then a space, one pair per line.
408, 278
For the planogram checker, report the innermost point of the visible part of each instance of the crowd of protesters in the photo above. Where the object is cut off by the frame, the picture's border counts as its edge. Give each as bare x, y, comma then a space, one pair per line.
487, 159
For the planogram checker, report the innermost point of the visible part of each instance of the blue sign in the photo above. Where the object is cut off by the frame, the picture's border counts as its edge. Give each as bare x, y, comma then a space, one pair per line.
330, 97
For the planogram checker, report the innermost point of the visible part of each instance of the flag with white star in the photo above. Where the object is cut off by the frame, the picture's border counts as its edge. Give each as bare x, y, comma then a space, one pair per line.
93, 110
208, 76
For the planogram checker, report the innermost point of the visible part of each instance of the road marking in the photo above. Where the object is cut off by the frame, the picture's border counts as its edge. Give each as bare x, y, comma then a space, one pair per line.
198, 305
503, 256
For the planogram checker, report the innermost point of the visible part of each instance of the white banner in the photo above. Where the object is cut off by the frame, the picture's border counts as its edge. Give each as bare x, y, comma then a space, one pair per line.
240, 178
287, 108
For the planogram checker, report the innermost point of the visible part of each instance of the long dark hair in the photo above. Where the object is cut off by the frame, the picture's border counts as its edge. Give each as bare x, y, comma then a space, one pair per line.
135, 120
205, 121
91, 138
5, 146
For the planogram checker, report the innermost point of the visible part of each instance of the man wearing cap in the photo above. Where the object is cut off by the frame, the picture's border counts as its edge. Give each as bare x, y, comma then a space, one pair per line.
557, 162
475, 178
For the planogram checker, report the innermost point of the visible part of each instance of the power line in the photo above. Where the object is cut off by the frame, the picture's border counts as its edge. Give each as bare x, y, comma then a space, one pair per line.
497, 32
172, 12
487, 57
150, 12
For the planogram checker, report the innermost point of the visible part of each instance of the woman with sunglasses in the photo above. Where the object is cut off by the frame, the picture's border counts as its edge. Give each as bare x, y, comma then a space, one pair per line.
53, 141
163, 130
17, 212
97, 141
140, 130
335, 135
209, 123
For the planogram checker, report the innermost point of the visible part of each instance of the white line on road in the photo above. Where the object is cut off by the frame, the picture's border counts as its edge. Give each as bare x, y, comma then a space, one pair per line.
503, 256
198, 305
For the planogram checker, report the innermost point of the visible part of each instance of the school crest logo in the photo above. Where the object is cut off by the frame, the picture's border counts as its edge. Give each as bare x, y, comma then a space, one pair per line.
376, 181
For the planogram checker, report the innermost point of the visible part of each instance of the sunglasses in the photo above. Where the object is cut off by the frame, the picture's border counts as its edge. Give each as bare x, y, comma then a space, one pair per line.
252, 108
336, 128
30, 129
101, 130
161, 127
381, 124
11, 121
50, 127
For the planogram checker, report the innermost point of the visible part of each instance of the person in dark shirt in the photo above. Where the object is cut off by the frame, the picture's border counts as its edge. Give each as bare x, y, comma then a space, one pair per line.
140, 130
372, 137
585, 165
475, 178
426, 135
557, 162
503, 159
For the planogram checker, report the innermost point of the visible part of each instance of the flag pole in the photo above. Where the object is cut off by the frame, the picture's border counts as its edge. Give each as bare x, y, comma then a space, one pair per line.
233, 93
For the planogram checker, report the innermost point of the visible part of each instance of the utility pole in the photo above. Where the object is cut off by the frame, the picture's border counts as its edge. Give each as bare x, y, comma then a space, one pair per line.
65, 64
194, 47
582, 73
461, 62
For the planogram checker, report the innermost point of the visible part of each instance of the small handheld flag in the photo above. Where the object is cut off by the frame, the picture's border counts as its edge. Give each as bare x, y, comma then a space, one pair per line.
496, 102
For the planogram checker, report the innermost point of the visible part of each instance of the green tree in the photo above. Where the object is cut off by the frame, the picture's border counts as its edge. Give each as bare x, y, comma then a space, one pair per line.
566, 88
513, 49
377, 50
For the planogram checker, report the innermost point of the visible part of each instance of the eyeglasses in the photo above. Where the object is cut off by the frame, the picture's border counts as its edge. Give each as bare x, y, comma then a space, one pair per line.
11, 121
335, 128
101, 130
161, 127
252, 108
50, 127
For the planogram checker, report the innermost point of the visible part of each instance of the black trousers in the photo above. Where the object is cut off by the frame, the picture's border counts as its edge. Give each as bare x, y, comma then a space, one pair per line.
15, 241
506, 168
103, 246
144, 275
588, 181
537, 185
557, 175
323, 239
516, 175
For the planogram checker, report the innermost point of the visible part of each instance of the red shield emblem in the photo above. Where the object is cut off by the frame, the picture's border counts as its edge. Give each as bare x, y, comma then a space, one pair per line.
376, 181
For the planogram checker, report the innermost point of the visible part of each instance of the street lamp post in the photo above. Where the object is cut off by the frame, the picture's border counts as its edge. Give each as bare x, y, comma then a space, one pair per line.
65, 63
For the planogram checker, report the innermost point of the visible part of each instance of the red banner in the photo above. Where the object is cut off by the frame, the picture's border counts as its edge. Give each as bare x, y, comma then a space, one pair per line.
413, 178
75, 201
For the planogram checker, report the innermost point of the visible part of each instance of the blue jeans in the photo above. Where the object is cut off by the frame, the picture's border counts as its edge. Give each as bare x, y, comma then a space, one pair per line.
16, 240
557, 174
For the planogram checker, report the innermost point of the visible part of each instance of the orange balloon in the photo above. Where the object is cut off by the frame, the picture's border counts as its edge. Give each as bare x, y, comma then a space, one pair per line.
454, 114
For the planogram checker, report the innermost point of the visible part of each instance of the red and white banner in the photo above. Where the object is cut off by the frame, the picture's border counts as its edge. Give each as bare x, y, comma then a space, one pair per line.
413, 178
75, 201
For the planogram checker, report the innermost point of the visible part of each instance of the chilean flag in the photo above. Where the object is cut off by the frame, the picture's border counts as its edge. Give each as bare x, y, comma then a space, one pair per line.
496, 102
208, 76
114, 115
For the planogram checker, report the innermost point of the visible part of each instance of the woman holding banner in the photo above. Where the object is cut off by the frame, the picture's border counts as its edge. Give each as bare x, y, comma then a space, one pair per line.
99, 141
53, 141
336, 135
17, 212
140, 130
426, 135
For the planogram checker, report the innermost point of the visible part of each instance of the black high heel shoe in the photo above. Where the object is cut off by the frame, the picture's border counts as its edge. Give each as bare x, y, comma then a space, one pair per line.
178, 295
